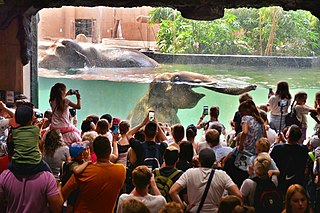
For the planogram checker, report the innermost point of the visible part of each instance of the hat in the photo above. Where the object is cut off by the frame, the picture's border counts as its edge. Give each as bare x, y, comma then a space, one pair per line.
76, 149
116, 120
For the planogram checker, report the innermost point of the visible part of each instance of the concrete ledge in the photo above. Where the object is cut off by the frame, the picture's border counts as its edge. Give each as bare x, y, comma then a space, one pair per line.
241, 60
129, 43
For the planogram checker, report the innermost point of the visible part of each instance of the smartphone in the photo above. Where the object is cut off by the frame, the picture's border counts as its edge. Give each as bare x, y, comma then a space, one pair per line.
73, 92
205, 110
39, 114
151, 115
115, 128
73, 112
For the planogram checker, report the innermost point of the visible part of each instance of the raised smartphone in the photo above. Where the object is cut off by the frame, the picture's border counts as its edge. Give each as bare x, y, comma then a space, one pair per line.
115, 128
205, 110
151, 115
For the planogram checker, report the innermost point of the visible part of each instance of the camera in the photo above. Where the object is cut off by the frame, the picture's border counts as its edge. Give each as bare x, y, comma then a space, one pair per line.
73, 112
283, 103
73, 92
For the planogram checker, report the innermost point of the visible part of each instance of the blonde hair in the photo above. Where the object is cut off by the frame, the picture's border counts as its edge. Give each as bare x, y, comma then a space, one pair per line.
263, 144
262, 164
89, 136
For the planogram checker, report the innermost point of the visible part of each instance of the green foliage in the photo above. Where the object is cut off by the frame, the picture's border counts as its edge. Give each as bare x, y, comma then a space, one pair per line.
240, 31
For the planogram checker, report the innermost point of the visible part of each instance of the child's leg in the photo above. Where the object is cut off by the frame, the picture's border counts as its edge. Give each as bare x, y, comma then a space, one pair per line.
43, 167
20, 169
304, 135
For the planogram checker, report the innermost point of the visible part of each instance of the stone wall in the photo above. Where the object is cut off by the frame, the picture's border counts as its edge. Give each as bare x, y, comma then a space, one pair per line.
241, 60
63, 26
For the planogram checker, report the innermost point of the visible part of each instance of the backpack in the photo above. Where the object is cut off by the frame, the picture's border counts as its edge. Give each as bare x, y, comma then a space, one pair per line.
291, 117
266, 197
151, 155
65, 172
236, 174
164, 183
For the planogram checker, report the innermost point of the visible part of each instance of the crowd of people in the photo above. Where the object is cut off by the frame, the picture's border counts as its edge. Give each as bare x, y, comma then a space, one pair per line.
264, 162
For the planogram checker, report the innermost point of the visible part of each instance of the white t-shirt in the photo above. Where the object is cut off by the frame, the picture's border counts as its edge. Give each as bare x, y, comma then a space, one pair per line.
271, 135
110, 137
153, 202
275, 109
219, 150
202, 145
302, 112
195, 180
60, 119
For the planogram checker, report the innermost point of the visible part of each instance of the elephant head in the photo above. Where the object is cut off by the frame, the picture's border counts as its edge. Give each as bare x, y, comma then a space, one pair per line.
169, 92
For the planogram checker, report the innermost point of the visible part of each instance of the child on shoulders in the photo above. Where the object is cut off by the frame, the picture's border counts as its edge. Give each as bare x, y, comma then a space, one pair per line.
61, 118
26, 157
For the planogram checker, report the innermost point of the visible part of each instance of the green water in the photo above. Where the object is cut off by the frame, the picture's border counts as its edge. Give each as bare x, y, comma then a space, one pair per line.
118, 98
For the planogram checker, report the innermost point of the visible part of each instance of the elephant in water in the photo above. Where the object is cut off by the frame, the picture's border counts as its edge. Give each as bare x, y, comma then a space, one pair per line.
169, 92
68, 54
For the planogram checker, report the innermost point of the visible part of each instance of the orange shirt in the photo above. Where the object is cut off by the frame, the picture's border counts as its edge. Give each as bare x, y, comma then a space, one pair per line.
99, 187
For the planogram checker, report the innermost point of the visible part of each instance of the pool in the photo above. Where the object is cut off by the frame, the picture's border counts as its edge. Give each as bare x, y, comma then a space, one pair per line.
116, 91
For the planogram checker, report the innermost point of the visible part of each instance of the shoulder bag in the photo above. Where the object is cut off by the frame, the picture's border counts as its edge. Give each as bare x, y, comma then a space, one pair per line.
204, 196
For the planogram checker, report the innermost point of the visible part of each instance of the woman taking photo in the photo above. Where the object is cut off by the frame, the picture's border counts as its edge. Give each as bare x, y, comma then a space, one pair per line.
279, 104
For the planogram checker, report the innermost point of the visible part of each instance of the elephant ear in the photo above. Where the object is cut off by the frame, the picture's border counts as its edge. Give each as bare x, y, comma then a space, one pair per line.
158, 92
177, 96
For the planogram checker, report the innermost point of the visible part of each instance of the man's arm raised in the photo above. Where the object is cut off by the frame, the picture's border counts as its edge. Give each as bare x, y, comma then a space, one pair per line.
135, 129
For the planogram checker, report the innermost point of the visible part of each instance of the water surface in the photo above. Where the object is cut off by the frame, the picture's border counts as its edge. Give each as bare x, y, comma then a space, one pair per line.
116, 91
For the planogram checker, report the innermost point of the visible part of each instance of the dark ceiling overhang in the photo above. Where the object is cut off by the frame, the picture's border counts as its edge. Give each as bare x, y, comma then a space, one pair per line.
193, 9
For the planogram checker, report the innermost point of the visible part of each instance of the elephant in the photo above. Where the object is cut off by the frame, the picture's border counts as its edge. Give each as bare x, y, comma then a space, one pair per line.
68, 54
169, 92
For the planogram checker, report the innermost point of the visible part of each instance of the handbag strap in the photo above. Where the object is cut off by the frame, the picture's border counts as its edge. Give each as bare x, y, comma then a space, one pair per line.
204, 196
292, 106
